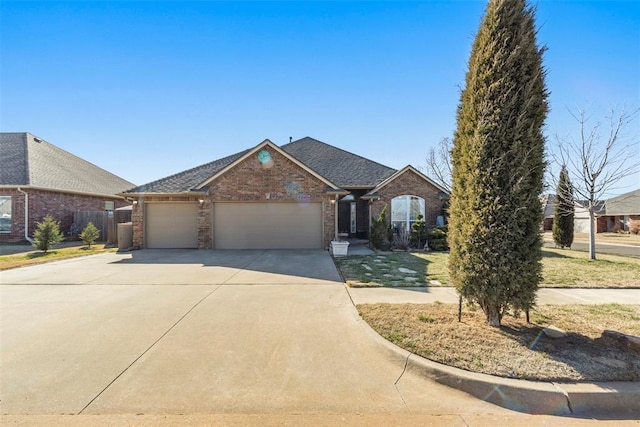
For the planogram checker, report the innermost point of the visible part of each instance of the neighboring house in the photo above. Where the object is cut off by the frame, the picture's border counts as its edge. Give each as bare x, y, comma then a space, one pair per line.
622, 213
300, 195
580, 218
39, 179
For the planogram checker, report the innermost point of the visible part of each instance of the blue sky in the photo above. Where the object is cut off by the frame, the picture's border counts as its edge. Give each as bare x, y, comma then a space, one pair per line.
146, 89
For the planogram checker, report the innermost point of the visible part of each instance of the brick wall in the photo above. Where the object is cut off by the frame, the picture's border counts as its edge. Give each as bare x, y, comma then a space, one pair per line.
249, 181
412, 184
61, 206
284, 181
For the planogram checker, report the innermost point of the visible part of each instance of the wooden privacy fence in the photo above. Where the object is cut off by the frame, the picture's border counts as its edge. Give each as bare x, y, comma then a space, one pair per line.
105, 221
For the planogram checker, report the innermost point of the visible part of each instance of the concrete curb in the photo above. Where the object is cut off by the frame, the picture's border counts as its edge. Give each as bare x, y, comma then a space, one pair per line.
607, 400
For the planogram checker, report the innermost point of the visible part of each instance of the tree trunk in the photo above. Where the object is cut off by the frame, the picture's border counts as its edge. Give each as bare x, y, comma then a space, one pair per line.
592, 232
493, 315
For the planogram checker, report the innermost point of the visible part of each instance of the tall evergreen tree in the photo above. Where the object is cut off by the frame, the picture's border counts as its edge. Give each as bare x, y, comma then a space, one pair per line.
564, 211
498, 165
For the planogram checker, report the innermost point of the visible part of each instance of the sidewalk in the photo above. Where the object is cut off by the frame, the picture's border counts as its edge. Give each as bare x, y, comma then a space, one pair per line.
448, 295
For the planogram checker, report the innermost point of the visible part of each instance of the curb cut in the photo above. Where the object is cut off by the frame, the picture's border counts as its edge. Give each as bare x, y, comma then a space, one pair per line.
605, 400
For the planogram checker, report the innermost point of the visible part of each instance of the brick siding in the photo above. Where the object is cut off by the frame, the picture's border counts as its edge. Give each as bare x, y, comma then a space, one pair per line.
250, 181
61, 206
410, 183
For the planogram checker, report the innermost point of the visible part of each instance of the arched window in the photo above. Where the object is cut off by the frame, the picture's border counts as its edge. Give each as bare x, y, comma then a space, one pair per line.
405, 211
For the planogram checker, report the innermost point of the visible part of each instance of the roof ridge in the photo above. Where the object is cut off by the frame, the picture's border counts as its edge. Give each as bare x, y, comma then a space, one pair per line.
339, 149
39, 140
190, 170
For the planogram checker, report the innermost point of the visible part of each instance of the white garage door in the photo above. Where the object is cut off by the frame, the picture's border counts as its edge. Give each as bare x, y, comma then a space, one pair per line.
171, 225
268, 225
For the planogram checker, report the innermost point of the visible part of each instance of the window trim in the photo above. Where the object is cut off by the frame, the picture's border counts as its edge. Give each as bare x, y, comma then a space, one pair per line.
10, 205
407, 222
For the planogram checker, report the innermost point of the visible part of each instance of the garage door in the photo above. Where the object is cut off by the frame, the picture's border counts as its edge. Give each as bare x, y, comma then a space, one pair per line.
171, 225
268, 225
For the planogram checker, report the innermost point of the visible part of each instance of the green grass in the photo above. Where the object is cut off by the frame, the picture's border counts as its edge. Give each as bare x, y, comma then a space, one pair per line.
39, 257
560, 268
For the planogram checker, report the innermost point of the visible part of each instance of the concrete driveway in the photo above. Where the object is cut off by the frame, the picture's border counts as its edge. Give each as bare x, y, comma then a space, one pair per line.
201, 332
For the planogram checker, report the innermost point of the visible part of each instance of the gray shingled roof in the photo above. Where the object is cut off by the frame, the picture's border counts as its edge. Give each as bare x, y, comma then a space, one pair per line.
187, 180
31, 161
625, 204
341, 167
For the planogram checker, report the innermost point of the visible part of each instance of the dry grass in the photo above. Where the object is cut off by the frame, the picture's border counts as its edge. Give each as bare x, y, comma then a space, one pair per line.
38, 257
517, 349
567, 268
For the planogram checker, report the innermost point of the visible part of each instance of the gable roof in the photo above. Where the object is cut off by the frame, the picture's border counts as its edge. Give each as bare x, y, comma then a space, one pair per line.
401, 172
187, 180
549, 204
624, 204
338, 168
263, 144
341, 167
29, 161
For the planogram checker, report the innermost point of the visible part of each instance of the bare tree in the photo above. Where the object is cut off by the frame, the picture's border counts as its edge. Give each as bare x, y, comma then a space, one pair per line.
598, 159
438, 165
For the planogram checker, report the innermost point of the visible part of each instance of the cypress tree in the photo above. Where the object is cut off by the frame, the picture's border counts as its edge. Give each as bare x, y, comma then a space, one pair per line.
564, 211
498, 165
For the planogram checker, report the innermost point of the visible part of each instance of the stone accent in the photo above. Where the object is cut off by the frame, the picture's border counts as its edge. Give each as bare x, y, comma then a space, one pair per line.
626, 342
61, 206
554, 332
410, 183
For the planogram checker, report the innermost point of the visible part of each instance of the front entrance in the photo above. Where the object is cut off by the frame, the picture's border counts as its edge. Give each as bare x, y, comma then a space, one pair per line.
353, 220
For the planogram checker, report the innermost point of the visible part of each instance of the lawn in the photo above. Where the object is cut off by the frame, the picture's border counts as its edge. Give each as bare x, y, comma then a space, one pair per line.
39, 257
517, 349
561, 268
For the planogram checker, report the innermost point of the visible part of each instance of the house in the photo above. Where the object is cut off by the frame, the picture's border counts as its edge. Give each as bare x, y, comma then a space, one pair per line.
622, 213
300, 195
580, 216
39, 179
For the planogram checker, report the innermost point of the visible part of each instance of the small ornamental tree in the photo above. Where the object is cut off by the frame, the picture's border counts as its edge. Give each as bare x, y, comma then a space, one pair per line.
380, 230
47, 233
90, 234
419, 232
564, 211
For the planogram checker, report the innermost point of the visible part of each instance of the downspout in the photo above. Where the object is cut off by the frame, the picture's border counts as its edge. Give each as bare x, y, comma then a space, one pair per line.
26, 215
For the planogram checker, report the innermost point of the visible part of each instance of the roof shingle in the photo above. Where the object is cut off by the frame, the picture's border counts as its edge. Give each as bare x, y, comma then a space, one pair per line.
31, 161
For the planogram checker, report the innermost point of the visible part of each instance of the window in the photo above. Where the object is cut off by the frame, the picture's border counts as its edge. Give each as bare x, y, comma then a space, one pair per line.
405, 211
5, 214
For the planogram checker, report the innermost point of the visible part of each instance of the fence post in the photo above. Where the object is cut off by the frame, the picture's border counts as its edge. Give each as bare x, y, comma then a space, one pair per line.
460, 309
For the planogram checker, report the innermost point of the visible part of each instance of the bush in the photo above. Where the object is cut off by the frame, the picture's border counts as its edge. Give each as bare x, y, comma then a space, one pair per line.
381, 233
90, 234
402, 241
419, 232
437, 239
47, 233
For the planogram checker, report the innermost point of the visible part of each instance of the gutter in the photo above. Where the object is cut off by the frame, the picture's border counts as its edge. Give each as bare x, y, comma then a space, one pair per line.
26, 215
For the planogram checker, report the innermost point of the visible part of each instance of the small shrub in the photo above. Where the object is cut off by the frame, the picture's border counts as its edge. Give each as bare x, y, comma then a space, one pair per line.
47, 233
90, 234
419, 232
402, 241
380, 230
437, 239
